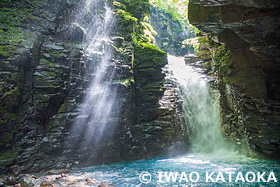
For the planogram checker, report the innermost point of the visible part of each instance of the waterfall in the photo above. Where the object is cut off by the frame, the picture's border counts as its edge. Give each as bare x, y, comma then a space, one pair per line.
201, 107
95, 121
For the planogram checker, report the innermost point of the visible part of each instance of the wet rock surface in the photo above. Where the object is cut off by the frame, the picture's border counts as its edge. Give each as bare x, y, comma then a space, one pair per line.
37, 75
45, 73
160, 127
53, 180
248, 80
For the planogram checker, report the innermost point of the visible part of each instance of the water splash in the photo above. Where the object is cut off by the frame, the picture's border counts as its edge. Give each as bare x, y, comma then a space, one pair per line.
94, 121
201, 108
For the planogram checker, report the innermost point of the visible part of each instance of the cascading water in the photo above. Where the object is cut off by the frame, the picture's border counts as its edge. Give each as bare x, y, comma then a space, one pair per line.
94, 122
201, 107
201, 112
210, 153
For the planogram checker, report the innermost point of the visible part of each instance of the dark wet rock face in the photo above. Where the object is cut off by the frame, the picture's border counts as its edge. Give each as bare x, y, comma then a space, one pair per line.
248, 80
160, 127
44, 75
36, 77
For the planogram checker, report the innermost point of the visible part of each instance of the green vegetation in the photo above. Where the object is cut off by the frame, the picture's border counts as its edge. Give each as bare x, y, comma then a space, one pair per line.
212, 52
176, 8
218, 52
137, 8
148, 32
135, 29
6, 139
132, 24
126, 15
126, 82
15, 91
8, 154
221, 55
14, 15
147, 55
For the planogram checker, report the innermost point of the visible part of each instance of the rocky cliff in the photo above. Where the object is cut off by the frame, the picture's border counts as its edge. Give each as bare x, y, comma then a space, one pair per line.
243, 41
45, 73
171, 33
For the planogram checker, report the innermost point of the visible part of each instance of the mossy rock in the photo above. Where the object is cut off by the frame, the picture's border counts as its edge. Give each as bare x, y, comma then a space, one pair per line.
8, 154
148, 70
6, 139
127, 22
147, 55
138, 8
66, 107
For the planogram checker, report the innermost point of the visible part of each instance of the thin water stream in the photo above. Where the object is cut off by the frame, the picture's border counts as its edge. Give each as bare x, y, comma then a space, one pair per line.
97, 108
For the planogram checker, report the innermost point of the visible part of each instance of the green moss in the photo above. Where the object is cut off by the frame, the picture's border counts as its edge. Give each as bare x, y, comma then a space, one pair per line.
148, 70
10, 117
14, 16
137, 8
127, 22
148, 55
44, 61
16, 12
174, 9
221, 56
15, 91
152, 47
65, 107
8, 154
9, 40
119, 5
52, 86
209, 49
7, 138
49, 63
125, 82
6, 51
58, 54
49, 73
204, 54
126, 16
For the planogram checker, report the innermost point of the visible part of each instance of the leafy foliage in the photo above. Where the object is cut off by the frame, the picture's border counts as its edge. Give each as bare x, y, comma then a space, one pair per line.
176, 8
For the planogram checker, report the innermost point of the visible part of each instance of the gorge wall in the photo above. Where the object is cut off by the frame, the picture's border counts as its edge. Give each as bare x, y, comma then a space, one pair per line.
170, 32
243, 40
44, 74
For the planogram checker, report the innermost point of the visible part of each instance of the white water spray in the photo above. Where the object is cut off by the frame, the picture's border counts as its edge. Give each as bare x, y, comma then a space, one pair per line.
99, 106
201, 107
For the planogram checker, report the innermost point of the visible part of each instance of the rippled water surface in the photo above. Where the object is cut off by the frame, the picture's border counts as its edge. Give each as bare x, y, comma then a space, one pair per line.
127, 173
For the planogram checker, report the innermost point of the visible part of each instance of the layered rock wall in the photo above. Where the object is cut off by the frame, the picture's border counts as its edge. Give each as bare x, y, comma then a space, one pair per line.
248, 78
39, 70
45, 74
